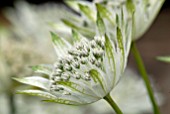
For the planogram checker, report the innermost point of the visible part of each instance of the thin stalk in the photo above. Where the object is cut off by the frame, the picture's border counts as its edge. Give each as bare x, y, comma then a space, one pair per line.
112, 104
11, 103
145, 77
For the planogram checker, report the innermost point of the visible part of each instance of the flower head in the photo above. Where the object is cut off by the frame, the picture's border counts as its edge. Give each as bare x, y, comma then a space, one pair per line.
87, 70
144, 14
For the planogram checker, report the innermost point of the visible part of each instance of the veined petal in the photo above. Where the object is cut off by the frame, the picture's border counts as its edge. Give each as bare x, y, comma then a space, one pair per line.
100, 24
36, 81
88, 12
83, 30
130, 6
38, 93
105, 13
79, 96
121, 47
77, 37
74, 4
145, 12
45, 69
75, 87
98, 78
110, 59
49, 97
60, 45
62, 101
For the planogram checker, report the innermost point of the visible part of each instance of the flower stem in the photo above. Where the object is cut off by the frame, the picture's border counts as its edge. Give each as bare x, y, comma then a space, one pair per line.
145, 77
112, 104
11, 103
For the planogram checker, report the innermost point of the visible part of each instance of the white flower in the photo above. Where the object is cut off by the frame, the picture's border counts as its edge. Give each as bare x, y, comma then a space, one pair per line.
85, 73
144, 15
88, 70
137, 101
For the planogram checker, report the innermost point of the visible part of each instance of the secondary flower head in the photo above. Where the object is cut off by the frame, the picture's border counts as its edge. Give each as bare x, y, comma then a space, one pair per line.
144, 15
87, 70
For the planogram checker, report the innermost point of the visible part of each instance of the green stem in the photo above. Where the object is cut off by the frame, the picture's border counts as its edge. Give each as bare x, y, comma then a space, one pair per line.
145, 77
112, 104
11, 103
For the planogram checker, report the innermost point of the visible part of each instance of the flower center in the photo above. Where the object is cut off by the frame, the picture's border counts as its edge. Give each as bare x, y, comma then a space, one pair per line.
83, 55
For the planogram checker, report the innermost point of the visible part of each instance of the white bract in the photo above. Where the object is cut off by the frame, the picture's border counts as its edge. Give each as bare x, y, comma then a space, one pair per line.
87, 70
131, 85
144, 15
130, 95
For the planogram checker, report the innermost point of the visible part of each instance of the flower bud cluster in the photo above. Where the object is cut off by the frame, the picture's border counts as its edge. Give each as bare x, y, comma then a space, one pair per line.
83, 54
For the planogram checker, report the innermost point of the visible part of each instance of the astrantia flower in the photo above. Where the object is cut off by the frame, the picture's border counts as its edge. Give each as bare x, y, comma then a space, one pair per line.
88, 70
144, 15
137, 101
87, 18
85, 72
137, 93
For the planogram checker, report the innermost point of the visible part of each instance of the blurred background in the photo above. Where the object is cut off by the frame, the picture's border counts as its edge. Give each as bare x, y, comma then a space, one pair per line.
156, 42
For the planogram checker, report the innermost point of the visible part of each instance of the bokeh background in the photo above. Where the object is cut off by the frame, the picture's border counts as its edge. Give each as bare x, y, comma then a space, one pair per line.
156, 42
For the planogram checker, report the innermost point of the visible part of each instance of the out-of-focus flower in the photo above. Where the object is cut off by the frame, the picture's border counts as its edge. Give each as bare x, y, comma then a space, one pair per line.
89, 70
18, 50
28, 31
15, 57
34, 22
87, 16
144, 15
